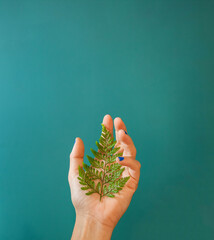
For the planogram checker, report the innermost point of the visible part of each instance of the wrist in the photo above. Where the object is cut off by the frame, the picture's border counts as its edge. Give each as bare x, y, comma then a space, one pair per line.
88, 228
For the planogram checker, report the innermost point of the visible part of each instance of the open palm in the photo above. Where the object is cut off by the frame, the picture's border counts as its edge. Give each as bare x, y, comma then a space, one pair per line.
109, 210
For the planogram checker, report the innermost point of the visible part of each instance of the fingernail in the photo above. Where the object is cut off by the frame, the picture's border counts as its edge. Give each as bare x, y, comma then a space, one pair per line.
74, 140
121, 158
125, 132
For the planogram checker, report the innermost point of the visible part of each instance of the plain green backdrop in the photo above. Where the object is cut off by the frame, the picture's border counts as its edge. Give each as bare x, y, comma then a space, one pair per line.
63, 66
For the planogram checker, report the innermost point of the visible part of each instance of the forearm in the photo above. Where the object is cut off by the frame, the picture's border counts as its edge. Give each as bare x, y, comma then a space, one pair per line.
88, 228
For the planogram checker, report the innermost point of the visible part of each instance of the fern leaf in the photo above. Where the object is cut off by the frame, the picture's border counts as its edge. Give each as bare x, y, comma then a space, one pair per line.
114, 150
100, 147
92, 172
97, 154
93, 162
89, 193
113, 157
103, 169
110, 195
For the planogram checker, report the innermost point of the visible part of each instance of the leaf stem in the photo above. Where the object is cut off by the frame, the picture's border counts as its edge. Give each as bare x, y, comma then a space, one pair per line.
104, 173
102, 182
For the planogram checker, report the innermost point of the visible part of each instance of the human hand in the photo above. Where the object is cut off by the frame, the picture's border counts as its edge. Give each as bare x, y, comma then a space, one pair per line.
95, 219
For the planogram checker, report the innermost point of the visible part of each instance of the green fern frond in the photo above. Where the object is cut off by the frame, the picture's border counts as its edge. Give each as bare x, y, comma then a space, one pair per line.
103, 169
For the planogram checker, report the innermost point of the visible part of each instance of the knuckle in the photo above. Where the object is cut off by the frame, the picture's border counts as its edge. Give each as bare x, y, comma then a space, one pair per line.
132, 184
138, 164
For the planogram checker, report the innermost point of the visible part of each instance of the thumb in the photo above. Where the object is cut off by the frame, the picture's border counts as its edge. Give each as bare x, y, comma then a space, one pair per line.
76, 156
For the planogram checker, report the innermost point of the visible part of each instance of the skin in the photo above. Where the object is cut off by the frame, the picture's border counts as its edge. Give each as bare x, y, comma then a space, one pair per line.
94, 219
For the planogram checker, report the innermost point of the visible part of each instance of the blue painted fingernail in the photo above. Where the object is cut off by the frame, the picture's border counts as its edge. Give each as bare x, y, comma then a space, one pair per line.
121, 158
74, 140
125, 132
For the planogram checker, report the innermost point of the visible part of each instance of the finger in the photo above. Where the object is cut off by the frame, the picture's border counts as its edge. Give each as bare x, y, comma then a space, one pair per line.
127, 144
123, 139
108, 123
76, 156
132, 164
119, 124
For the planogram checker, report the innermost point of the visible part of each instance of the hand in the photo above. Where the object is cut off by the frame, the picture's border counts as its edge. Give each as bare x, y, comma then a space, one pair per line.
95, 219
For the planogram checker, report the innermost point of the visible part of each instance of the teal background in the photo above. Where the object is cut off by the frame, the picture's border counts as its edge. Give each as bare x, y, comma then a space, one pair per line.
63, 66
